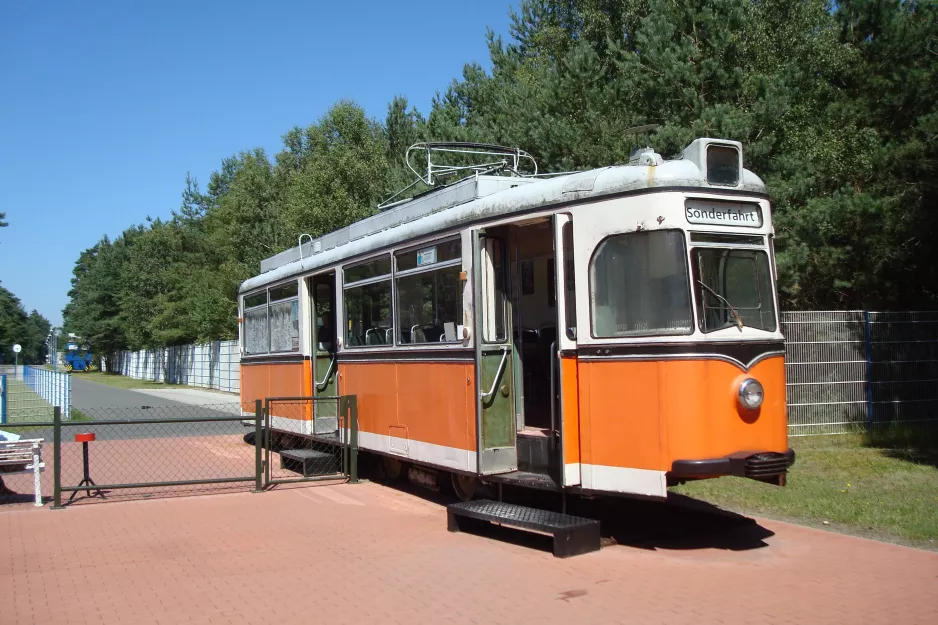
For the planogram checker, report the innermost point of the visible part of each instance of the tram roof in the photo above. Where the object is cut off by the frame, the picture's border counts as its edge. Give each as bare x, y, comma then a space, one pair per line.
480, 198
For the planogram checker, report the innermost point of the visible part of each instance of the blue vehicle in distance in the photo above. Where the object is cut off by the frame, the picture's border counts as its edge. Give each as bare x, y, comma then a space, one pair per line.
79, 358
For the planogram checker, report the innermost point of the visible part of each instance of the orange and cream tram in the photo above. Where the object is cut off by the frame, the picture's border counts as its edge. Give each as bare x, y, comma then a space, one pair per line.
608, 331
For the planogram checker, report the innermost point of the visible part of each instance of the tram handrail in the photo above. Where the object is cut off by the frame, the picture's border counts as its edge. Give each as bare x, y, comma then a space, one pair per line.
498, 374
553, 391
321, 386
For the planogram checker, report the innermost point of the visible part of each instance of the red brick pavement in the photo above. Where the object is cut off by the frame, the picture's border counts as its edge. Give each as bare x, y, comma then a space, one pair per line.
367, 553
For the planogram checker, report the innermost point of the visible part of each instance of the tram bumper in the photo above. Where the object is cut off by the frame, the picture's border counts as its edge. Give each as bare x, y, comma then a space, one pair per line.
771, 467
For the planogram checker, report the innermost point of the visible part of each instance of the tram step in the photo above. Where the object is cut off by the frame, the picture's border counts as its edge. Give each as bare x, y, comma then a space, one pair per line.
308, 462
572, 535
533, 453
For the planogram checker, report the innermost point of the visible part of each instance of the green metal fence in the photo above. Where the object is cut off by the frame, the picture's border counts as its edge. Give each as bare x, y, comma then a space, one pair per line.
172, 449
316, 438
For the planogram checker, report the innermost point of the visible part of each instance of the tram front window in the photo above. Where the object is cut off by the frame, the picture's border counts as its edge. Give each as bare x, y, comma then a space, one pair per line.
733, 288
639, 285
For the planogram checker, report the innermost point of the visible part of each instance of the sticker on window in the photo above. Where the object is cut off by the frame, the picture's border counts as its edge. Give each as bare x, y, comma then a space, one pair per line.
426, 257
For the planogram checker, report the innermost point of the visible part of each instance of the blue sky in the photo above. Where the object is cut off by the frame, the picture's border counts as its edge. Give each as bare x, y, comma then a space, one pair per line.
104, 106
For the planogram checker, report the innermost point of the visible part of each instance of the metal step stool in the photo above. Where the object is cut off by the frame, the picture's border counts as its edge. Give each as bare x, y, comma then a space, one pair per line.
572, 535
309, 462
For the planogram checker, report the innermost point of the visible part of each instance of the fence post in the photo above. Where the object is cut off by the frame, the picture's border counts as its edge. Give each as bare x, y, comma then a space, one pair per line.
265, 432
353, 439
68, 398
3, 398
869, 373
258, 441
57, 459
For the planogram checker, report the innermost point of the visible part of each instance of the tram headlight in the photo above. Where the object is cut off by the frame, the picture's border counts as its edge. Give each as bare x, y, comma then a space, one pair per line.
751, 394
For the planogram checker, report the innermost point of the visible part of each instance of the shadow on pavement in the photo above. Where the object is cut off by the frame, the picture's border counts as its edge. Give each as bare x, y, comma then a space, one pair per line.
680, 523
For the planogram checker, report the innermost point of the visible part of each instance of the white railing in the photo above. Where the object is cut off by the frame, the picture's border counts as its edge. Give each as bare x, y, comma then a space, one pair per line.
52, 386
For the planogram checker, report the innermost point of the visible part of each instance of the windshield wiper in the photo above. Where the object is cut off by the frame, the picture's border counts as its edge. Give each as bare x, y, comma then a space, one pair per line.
739, 321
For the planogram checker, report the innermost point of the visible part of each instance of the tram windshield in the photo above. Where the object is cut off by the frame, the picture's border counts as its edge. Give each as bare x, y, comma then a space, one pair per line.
733, 288
638, 285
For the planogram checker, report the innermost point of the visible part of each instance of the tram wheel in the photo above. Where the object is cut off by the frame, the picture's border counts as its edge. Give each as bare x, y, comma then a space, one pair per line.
394, 469
464, 486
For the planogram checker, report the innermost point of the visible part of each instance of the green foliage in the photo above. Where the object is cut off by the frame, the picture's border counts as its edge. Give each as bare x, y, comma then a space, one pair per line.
28, 330
335, 171
834, 103
94, 310
835, 106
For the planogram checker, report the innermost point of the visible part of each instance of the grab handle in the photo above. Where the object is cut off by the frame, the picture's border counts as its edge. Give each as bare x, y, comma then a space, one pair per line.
498, 374
321, 386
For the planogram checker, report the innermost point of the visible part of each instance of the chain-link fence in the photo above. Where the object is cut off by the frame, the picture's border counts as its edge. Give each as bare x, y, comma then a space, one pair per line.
852, 371
134, 451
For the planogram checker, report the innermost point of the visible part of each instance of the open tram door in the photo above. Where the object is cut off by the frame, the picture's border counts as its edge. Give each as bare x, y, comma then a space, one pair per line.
564, 378
323, 364
494, 356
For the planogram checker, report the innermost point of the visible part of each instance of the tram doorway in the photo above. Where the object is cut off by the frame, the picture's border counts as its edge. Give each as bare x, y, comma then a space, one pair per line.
532, 299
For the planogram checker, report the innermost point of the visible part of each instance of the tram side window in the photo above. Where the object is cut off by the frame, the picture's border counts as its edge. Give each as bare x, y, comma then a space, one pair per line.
429, 293
639, 285
368, 315
284, 319
255, 324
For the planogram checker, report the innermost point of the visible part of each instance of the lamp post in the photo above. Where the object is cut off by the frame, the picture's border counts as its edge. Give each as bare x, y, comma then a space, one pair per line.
52, 342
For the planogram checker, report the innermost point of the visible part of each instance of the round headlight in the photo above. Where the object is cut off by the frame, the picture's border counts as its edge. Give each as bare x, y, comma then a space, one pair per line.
751, 394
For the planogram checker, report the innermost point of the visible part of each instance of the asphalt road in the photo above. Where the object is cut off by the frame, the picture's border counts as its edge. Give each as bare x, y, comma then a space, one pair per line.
102, 402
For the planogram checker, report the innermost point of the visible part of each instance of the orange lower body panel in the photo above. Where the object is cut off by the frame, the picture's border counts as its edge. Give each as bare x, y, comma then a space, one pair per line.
647, 414
428, 403
263, 380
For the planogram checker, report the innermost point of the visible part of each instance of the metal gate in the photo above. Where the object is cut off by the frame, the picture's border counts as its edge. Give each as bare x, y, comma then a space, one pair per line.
309, 439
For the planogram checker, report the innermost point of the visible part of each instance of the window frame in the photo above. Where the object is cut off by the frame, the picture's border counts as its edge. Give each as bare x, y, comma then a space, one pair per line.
685, 256
445, 264
389, 277
700, 305
266, 291
739, 166
504, 311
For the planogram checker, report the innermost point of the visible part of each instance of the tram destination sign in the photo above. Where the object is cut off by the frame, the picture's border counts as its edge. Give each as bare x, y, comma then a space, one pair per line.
744, 214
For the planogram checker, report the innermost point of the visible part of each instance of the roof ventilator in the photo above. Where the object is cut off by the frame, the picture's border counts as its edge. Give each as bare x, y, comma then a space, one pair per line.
645, 157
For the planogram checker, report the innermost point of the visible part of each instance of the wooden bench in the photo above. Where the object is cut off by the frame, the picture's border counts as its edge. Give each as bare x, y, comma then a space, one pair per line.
23, 456
572, 535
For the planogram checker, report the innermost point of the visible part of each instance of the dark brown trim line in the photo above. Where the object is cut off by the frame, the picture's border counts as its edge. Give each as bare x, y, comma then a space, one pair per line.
404, 355
744, 355
247, 361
